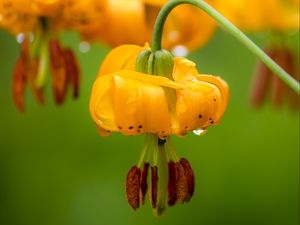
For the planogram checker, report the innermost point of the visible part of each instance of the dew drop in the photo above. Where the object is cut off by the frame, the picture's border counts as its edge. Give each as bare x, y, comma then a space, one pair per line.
20, 37
84, 47
180, 51
200, 131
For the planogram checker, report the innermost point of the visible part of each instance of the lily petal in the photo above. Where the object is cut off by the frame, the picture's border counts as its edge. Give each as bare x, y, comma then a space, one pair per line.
140, 107
220, 84
128, 99
198, 106
113, 62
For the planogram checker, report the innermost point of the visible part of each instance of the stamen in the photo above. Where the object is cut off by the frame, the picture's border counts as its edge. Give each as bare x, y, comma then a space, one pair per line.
133, 187
72, 70
155, 152
181, 187
189, 174
18, 84
145, 150
162, 182
277, 86
153, 188
58, 71
144, 185
171, 184
172, 149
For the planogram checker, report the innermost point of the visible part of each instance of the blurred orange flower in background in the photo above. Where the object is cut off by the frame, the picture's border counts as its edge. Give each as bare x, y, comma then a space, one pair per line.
132, 22
279, 18
37, 24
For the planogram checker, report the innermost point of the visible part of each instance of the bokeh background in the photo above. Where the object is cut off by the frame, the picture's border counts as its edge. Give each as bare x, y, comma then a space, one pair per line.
56, 170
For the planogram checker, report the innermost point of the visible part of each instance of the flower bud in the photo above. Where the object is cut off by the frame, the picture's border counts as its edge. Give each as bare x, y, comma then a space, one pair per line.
155, 63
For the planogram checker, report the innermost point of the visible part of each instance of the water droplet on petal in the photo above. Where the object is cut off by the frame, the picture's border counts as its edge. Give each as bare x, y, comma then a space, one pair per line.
200, 131
180, 51
84, 47
1, 17
20, 37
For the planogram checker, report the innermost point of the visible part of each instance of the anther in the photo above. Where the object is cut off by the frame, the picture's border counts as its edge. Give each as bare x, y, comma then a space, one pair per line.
172, 183
144, 185
133, 186
189, 174
153, 188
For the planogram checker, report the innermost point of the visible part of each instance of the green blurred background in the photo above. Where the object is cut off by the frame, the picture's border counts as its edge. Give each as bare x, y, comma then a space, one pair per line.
56, 170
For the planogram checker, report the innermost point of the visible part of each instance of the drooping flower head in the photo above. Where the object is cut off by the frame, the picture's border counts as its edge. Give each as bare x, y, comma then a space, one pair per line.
280, 19
138, 91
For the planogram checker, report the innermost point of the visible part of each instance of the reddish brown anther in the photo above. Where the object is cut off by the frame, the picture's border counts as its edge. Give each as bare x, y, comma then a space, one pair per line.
18, 84
72, 70
181, 186
189, 174
277, 86
153, 188
292, 69
31, 75
266, 82
260, 84
58, 71
172, 197
144, 185
24, 54
133, 187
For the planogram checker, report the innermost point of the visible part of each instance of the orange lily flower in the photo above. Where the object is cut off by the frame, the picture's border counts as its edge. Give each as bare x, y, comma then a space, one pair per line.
118, 87
130, 102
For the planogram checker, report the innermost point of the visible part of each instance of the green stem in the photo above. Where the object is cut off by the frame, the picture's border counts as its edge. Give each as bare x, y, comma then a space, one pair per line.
230, 28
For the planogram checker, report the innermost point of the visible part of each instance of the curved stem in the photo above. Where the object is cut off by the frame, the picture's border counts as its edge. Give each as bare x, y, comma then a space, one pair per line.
230, 28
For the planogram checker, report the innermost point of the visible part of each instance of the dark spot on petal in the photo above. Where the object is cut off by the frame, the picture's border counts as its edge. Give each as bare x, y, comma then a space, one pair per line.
120, 128
214, 99
140, 126
200, 116
130, 128
210, 118
163, 132
186, 128
212, 122
138, 131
